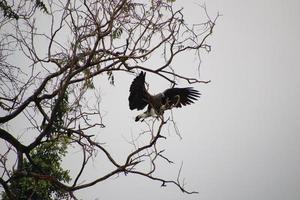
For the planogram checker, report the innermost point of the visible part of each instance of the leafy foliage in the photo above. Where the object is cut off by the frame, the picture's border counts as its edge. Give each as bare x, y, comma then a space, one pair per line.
61, 110
46, 158
117, 33
9, 12
40, 4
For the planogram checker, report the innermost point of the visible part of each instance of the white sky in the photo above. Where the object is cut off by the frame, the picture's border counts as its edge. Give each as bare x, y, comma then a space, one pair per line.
241, 140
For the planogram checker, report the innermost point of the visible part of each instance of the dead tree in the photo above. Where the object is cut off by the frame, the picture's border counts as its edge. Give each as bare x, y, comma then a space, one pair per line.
61, 53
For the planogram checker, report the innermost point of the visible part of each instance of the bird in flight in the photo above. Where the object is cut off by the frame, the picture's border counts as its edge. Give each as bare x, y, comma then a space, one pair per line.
139, 98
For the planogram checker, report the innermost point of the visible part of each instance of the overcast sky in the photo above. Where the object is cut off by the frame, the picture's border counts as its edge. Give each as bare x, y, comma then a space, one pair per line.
241, 140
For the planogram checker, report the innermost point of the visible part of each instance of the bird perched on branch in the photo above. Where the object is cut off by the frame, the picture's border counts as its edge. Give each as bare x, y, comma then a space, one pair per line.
139, 98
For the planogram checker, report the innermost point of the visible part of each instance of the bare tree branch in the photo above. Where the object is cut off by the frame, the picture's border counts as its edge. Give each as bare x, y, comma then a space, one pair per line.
60, 64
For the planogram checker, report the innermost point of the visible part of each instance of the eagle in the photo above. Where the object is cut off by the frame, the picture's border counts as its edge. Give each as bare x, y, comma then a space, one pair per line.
139, 98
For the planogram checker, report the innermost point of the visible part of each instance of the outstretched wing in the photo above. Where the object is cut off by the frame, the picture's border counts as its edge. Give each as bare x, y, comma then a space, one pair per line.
179, 97
138, 93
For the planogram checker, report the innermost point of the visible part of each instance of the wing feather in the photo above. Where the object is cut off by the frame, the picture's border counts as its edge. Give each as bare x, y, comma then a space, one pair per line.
138, 93
179, 97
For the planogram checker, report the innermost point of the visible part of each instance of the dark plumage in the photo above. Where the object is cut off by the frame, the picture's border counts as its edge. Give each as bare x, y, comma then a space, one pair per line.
138, 93
186, 96
139, 98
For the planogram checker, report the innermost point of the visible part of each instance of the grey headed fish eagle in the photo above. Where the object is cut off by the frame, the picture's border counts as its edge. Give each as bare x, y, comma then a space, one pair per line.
139, 98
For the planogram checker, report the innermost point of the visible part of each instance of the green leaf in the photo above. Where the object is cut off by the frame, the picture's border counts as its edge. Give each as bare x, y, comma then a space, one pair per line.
117, 33
47, 158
